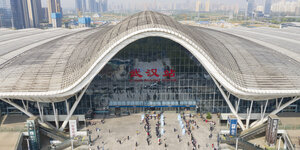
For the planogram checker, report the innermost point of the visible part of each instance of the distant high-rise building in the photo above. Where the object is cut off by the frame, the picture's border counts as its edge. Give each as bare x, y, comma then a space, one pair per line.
4, 4
236, 9
23, 13
18, 14
91, 5
198, 6
5, 14
250, 8
104, 5
287, 7
84, 21
44, 15
259, 8
80, 6
54, 6
268, 4
207, 5
56, 20
83, 4
51, 9
297, 13
34, 11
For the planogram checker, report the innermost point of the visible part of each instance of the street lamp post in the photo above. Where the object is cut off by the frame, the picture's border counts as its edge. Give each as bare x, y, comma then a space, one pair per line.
237, 143
72, 146
28, 145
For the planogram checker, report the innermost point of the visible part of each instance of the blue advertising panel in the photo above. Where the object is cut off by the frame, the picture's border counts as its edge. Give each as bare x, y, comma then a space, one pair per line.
33, 133
233, 126
55, 15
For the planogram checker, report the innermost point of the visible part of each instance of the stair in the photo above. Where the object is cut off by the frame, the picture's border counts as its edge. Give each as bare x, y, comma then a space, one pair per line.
3, 119
253, 132
50, 131
241, 143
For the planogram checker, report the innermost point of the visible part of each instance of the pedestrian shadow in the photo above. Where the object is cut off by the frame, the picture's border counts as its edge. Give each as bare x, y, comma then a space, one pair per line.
96, 139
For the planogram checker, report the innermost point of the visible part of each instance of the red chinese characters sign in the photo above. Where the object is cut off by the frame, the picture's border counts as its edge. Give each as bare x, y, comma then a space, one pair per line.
135, 73
167, 75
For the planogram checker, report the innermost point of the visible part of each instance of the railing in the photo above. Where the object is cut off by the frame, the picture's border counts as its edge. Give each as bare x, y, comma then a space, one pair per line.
289, 127
247, 134
53, 132
287, 139
15, 129
241, 143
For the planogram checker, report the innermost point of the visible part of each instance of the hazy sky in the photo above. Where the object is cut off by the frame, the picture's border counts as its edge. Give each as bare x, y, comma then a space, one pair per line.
71, 3
64, 3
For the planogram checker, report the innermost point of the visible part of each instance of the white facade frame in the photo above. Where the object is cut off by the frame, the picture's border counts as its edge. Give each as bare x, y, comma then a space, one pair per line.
274, 112
29, 114
226, 97
249, 111
70, 112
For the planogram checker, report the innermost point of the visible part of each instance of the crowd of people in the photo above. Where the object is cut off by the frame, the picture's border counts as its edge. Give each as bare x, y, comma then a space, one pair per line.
158, 125
147, 128
187, 122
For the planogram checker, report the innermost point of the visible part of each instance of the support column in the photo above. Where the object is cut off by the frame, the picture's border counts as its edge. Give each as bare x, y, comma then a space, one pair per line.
261, 111
226, 97
18, 107
238, 106
279, 142
280, 103
68, 108
40, 112
277, 110
266, 105
55, 115
249, 115
78, 98
25, 107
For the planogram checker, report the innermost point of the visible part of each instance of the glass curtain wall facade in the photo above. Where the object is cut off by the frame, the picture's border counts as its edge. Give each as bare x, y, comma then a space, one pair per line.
157, 73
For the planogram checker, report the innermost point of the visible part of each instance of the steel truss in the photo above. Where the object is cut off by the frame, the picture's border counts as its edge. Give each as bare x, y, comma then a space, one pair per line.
263, 119
70, 112
41, 110
279, 106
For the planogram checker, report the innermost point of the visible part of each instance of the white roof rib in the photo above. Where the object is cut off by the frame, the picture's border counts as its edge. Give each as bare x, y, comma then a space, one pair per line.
56, 69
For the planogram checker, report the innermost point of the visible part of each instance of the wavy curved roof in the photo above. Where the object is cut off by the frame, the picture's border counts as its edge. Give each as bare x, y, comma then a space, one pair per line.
54, 68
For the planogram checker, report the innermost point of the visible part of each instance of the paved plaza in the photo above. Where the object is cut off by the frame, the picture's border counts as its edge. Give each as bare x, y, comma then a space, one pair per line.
115, 131
9, 140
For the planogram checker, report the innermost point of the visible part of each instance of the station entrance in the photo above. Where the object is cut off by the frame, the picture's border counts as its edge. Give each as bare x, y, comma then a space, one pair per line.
130, 110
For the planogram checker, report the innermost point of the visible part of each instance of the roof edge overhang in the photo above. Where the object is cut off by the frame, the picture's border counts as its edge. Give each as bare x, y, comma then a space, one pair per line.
151, 31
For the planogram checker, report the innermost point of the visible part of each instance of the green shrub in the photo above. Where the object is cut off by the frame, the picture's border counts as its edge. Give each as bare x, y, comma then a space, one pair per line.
208, 115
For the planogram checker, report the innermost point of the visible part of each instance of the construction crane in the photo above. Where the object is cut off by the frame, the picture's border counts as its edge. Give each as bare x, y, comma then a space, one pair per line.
58, 7
79, 13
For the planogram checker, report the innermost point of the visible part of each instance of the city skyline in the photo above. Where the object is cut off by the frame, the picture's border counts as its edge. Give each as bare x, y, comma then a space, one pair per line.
70, 4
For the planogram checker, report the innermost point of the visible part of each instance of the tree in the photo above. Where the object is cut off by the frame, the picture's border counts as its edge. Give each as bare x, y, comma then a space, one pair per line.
208, 115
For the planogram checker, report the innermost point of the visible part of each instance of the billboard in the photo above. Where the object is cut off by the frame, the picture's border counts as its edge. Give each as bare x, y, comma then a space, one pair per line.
271, 130
33, 133
73, 126
232, 125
